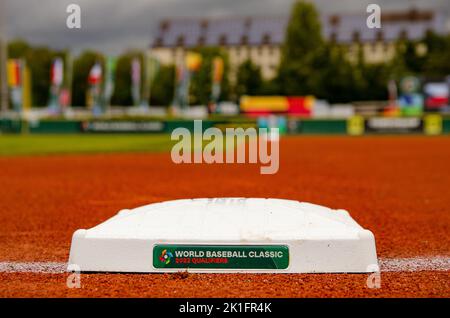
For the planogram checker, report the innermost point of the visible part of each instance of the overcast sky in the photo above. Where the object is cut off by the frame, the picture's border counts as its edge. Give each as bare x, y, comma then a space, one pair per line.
112, 26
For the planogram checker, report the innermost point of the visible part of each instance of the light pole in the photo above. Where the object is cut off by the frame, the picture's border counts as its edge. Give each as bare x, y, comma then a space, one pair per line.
3, 58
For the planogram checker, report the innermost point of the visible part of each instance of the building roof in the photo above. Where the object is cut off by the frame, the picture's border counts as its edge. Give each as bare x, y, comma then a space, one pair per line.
412, 24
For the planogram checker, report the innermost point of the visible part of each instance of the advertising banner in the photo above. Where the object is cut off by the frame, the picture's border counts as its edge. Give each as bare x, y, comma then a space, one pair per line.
394, 125
436, 95
295, 105
123, 126
410, 100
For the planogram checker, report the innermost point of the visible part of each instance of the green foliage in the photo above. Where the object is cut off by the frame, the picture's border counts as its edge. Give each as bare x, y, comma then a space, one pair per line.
433, 63
201, 82
249, 80
81, 68
338, 81
303, 34
309, 65
376, 78
18, 49
162, 89
39, 60
437, 62
302, 50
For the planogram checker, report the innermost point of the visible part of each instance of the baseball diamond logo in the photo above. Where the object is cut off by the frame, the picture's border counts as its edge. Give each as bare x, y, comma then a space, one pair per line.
166, 257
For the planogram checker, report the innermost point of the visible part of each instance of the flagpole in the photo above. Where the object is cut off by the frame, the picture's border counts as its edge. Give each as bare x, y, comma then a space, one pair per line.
3, 58
69, 65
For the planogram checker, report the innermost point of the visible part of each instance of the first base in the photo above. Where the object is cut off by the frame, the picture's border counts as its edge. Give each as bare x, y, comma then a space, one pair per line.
226, 235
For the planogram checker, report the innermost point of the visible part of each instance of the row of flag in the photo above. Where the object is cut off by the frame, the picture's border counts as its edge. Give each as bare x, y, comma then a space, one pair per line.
184, 71
19, 82
100, 96
101, 82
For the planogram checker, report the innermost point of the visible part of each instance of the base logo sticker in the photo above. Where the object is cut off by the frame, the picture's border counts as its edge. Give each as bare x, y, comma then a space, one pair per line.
166, 257
221, 256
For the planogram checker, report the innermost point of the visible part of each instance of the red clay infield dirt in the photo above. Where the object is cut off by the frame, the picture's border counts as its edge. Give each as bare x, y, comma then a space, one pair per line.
398, 187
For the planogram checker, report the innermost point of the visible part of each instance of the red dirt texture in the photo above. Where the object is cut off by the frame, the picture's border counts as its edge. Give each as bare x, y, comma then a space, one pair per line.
395, 186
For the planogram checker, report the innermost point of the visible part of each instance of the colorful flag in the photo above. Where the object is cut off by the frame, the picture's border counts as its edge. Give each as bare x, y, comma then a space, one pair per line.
217, 70
136, 81
182, 80
14, 73
193, 61
95, 75
217, 76
151, 70
111, 64
57, 72
95, 94
15, 81
56, 81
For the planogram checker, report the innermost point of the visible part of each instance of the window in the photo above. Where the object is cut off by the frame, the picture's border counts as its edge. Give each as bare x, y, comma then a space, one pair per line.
180, 40
266, 39
223, 40
204, 25
333, 37
201, 41
334, 20
356, 36
403, 34
159, 42
260, 50
380, 36
164, 26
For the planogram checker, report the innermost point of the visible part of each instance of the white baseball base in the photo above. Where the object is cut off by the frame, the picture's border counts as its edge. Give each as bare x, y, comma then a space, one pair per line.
226, 235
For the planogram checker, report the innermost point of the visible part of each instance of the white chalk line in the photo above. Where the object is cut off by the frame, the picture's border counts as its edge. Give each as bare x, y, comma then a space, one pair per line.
33, 267
414, 264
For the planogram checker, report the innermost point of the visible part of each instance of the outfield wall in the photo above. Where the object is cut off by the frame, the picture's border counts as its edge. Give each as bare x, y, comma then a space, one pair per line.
429, 125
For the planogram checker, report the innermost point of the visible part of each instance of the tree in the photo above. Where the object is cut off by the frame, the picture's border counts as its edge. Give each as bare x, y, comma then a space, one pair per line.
18, 49
163, 86
303, 43
122, 87
304, 32
39, 61
433, 63
81, 68
376, 78
201, 82
437, 63
249, 80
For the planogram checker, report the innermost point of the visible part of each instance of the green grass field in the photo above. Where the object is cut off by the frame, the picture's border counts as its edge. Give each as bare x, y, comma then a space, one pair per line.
22, 145
14, 145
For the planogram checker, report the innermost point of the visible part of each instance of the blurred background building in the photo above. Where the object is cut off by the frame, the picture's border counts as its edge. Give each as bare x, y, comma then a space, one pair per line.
259, 39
